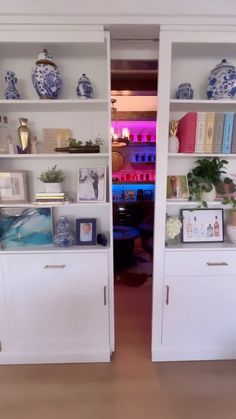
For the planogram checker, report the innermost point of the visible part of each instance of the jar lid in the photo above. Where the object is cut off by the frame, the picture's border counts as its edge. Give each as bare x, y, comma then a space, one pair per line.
223, 64
84, 77
45, 58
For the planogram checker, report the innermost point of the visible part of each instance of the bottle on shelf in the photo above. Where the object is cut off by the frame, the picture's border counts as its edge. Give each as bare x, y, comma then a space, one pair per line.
147, 176
216, 227
136, 157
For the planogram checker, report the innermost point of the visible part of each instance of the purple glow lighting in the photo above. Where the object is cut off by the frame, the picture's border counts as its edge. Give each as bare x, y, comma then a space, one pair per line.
145, 128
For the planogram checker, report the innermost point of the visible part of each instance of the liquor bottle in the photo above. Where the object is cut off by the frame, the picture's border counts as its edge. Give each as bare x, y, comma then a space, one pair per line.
195, 227
147, 177
210, 231
216, 228
189, 229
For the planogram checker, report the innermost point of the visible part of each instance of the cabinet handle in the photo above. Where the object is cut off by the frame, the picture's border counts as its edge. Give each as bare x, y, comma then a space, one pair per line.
167, 294
54, 266
217, 264
105, 295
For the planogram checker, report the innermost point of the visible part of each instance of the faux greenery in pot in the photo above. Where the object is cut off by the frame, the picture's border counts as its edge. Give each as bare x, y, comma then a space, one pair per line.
52, 175
206, 177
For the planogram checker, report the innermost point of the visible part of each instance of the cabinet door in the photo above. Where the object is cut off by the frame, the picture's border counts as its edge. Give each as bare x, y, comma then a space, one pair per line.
57, 307
198, 317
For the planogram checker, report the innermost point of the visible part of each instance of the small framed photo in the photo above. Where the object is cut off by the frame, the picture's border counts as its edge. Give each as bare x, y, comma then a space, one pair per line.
177, 187
91, 185
86, 231
202, 225
13, 187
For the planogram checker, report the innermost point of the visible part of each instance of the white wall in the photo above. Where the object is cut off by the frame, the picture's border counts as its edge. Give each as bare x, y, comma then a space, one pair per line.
122, 7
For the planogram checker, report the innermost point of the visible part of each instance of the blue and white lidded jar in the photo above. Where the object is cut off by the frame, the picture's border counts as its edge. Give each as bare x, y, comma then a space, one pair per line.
184, 91
46, 77
64, 236
11, 91
84, 88
222, 81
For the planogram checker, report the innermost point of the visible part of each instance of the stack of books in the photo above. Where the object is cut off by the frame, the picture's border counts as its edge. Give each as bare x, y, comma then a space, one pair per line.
52, 197
207, 132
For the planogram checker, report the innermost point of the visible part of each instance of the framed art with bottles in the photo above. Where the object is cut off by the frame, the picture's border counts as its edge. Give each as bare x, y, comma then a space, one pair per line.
202, 225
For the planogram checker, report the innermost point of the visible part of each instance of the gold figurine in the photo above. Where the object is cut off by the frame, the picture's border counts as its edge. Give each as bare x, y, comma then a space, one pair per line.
24, 136
173, 127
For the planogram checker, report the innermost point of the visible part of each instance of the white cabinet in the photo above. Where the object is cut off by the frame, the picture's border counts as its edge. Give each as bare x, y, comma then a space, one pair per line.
197, 323
57, 307
58, 314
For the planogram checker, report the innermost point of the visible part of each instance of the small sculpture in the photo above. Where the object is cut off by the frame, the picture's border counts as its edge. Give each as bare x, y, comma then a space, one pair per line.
11, 148
24, 136
173, 143
34, 142
11, 91
84, 89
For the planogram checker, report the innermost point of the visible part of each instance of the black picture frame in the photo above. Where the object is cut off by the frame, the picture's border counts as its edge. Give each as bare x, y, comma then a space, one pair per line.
85, 234
203, 225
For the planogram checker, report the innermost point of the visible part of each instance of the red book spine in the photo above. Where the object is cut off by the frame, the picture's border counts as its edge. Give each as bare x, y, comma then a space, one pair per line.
187, 132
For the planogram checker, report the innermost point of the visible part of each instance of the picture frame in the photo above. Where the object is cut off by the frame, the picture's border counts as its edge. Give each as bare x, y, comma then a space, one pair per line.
202, 225
177, 188
91, 185
13, 187
25, 227
85, 234
55, 138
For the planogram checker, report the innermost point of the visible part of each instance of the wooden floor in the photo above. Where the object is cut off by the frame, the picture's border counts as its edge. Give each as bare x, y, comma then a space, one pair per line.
130, 387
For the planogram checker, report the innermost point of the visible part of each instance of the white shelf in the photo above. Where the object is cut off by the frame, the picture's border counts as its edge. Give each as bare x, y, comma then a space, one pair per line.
176, 202
188, 247
221, 105
54, 105
53, 155
186, 155
51, 204
53, 249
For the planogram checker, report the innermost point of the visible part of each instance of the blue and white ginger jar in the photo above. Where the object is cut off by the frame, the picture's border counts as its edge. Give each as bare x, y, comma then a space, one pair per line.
64, 236
222, 81
84, 88
11, 91
46, 77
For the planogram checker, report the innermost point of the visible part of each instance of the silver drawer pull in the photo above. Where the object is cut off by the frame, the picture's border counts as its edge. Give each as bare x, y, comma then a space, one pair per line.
167, 294
54, 266
217, 264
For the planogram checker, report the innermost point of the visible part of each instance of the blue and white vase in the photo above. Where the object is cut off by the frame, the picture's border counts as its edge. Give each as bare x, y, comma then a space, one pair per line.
46, 77
11, 91
64, 236
222, 81
84, 88
184, 91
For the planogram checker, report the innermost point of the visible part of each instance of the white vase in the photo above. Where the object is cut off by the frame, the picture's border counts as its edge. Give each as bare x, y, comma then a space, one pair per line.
209, 196
173, 144
231, 227
52, 187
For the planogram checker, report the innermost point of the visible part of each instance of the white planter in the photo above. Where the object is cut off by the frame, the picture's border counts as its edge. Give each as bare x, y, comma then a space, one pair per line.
209, 196
52, 187
231, 233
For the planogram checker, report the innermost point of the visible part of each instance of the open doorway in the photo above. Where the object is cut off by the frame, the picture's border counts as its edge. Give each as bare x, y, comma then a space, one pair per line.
134, 104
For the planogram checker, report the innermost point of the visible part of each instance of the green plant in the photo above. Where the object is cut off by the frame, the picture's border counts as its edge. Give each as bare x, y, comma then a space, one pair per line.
205, 176
52, 175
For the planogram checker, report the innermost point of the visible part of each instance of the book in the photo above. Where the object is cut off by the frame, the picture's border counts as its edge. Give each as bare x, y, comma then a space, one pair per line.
186, 132
227, 132
200, 131
208, 131
218, 132
50, 193
233, 143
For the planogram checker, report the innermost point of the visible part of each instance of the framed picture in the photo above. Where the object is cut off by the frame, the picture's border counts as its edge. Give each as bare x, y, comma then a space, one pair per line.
86, 231
55, 138
177, 187
92, 184
202, 225
13, 187
25, 227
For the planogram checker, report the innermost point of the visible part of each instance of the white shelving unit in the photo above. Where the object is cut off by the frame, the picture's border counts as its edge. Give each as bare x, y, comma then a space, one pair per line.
193, 283
76, 282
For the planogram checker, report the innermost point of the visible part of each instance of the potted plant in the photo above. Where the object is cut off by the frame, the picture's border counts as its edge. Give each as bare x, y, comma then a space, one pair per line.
90, 146
206, 179
52, 179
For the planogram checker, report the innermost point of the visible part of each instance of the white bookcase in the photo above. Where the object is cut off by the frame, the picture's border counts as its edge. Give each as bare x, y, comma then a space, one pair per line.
81, 288
193, 283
